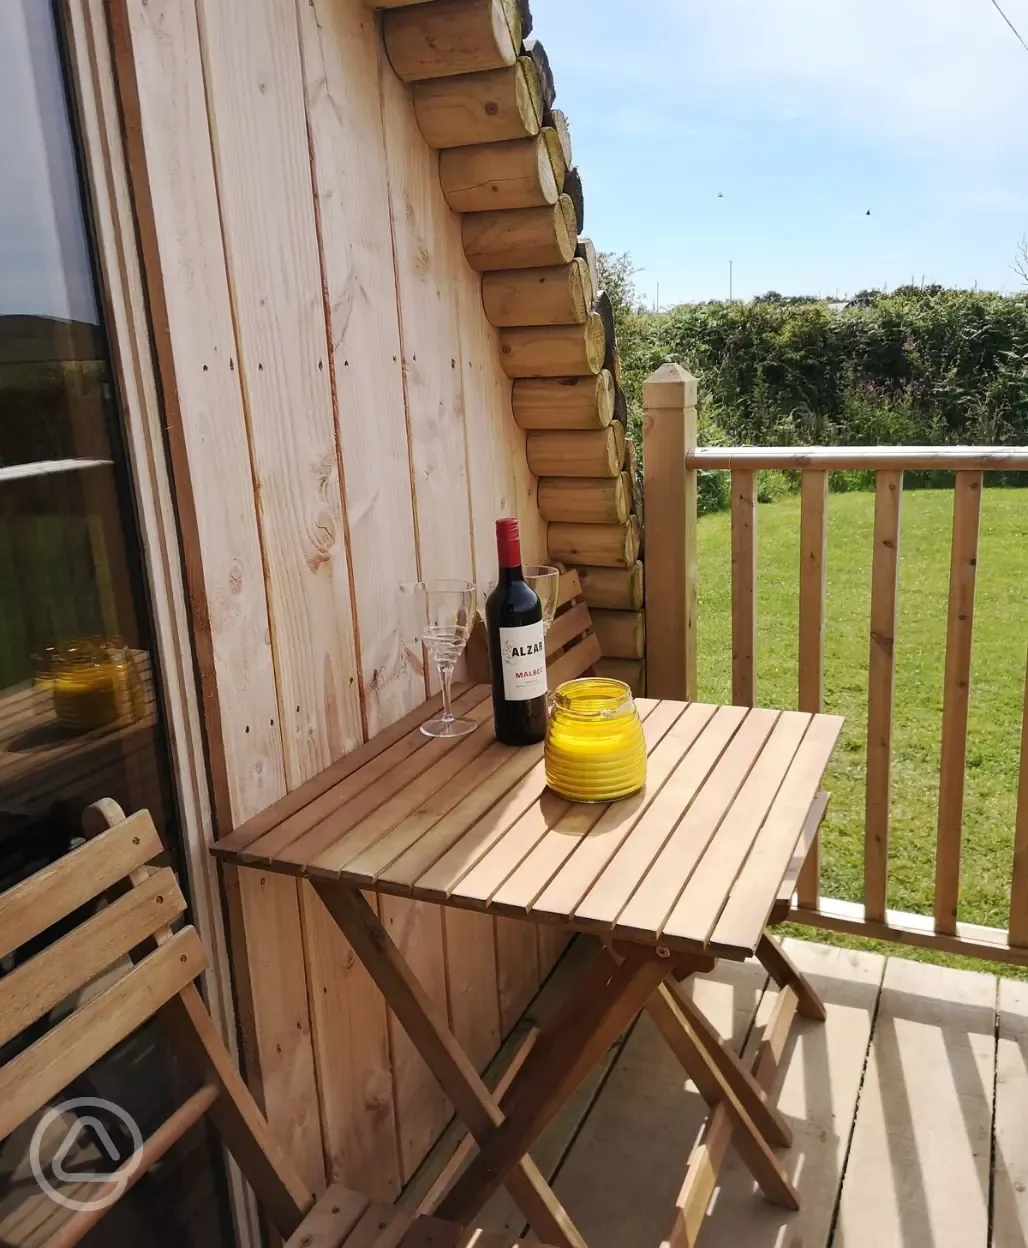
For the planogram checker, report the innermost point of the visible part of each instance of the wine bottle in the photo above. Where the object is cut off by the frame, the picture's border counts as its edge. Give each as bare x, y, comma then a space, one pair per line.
517, 648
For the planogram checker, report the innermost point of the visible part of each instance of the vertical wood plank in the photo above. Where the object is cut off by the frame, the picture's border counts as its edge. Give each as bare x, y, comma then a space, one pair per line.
351, 1043
255, 101
517, 969
813, 570
339, 44
422, 1108
427, 275
1019, 882
339, 50
963, 574
429, 263
881, 673
744, 587
669, 435
161, 83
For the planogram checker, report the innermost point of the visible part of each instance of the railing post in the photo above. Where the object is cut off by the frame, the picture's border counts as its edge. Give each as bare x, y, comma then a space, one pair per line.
669, 435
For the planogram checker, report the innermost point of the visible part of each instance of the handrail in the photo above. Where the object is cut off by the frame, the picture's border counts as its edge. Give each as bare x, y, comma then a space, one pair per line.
672, 461
867, 458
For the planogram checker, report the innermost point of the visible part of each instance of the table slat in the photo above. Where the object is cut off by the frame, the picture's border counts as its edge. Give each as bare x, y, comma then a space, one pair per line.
744, 915
607, 897
396, 800
370, 863
442, 834
697, 909
655, 897
580, 822
486, 877
579, 873
341, 807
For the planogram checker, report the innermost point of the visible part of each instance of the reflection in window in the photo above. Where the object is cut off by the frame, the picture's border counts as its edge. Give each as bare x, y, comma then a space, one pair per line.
79, 712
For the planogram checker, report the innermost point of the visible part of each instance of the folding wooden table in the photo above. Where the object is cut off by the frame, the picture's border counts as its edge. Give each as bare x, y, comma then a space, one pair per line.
683, 873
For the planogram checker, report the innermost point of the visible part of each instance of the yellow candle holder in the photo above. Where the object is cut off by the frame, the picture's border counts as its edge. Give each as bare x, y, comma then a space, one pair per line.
595, 750
94, 683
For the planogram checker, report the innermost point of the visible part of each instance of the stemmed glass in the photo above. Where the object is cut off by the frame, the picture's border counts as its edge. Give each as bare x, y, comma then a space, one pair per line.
546, 583
444, 614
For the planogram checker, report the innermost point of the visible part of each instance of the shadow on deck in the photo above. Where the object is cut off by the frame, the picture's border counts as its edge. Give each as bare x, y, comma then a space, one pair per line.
909, 1108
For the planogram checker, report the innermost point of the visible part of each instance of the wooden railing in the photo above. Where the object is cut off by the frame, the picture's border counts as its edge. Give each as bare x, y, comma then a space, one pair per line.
671, 463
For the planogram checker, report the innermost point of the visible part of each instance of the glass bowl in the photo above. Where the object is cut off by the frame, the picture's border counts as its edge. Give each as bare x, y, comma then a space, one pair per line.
595, 750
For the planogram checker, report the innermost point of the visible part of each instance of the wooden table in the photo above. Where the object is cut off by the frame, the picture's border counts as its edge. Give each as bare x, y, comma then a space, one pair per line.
683, 873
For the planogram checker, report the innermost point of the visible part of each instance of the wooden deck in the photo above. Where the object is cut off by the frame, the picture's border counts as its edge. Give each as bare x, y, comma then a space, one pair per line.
909, 1106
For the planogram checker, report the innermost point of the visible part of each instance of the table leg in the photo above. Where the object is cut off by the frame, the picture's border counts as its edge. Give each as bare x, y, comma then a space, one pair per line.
708, 1155
787, 974
563, 1055
445, 1058
669, 1010
725, 1085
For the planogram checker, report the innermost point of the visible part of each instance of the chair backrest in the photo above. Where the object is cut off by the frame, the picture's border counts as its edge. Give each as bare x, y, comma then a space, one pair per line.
572, 648
134, 967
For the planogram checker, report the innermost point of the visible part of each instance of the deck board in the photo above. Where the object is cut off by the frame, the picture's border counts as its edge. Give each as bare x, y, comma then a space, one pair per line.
1010, 1177
622, 1177
892, 1099
918, 1173
817, 1090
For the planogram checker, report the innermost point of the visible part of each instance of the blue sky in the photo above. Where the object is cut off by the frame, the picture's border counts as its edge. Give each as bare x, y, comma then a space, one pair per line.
803, 114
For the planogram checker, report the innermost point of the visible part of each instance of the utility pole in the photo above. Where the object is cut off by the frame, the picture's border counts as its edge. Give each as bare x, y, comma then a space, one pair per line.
731, 278
657, 309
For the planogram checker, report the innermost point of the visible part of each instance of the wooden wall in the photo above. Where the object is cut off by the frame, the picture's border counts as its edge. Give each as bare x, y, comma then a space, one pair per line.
339, 422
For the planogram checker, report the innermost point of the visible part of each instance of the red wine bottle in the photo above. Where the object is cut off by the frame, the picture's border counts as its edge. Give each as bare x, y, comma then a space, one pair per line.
517, 649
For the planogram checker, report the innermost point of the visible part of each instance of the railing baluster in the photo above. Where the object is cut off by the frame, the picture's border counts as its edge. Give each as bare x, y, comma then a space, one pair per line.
881, 673
963, 569
1019, 883
813, 554
744, 587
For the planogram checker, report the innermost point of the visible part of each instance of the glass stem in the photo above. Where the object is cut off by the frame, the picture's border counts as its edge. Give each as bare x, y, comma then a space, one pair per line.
446, 674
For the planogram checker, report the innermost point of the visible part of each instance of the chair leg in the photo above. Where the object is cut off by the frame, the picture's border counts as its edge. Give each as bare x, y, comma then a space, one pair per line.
235, 1114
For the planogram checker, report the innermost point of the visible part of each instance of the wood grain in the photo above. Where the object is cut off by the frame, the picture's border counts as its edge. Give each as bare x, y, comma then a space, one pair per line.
963, 575
813, 582
744, 587
881, 676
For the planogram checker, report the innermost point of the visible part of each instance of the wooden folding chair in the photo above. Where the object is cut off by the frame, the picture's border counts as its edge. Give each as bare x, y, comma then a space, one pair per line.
149, 972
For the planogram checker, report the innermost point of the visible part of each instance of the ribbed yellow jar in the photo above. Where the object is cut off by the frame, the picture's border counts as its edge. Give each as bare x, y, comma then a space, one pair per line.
94, 683
595, 749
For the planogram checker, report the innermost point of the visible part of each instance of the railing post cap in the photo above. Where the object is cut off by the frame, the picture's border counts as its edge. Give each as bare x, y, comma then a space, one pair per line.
670, 386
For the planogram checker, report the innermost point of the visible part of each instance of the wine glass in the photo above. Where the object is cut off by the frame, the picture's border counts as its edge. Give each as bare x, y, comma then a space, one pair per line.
546, 583
444, 614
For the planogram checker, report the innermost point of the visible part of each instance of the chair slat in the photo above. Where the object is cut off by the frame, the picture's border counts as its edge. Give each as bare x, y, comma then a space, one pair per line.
28, 909
35, 987
744, 587
32, 1078
570, 588
813, 567
576, 661
566, 627
881, 675
963, 570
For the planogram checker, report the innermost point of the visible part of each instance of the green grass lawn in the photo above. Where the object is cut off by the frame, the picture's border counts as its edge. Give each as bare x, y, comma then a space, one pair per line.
997, 681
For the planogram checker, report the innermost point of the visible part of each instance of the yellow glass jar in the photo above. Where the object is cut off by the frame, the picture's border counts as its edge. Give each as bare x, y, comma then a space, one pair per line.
94, 683
595, 749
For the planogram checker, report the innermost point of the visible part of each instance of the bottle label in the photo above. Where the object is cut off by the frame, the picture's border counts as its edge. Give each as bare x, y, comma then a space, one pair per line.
523, 657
